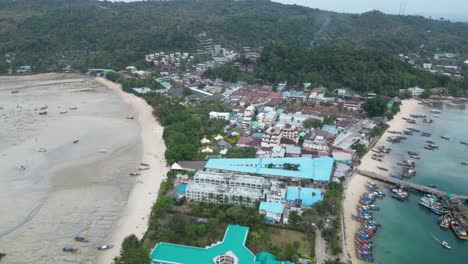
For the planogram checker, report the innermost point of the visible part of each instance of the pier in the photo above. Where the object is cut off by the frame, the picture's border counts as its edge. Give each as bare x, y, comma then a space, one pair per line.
411, 185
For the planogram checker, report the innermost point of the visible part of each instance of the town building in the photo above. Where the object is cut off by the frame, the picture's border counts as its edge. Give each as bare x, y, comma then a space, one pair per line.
296, 119
219, 115
271, 137
231, 250
290, 132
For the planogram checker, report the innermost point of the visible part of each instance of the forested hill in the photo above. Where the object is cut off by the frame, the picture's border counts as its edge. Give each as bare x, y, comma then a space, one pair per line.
88, 32
361, 70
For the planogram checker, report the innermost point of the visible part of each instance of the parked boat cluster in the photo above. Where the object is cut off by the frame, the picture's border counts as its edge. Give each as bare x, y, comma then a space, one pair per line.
363, 236
398, 192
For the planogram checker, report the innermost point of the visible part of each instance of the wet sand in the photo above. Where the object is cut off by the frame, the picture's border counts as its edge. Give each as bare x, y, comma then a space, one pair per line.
356, 185
72, 189
134, 219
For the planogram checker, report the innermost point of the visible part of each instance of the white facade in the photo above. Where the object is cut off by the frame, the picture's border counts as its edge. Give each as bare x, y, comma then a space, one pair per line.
290, 132
271, 137
222, 194
220, 115
316, 144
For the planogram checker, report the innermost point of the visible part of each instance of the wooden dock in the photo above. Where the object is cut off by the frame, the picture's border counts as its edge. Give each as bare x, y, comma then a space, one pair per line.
411, 185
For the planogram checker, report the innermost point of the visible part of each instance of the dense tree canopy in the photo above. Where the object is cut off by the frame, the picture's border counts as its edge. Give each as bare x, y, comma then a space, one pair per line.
91, 33
375, 106
361, 70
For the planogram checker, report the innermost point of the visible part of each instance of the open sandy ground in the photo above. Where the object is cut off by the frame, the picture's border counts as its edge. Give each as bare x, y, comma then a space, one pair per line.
134, 219
356, 185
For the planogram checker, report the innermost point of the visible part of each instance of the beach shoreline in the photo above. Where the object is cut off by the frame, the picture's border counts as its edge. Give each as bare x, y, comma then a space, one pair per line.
134, 218
356, 185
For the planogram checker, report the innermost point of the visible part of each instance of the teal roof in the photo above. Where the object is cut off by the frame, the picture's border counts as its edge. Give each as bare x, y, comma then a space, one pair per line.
305, 195
166, 85
268, 258
279, 111
255, 124
233, 242
276, 208
302, 134
318, 169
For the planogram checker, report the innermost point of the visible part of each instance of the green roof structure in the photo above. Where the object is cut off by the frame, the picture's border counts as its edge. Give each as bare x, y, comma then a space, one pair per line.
231, 250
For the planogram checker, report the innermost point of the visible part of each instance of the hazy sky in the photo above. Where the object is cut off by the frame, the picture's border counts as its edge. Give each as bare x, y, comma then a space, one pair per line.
455, 10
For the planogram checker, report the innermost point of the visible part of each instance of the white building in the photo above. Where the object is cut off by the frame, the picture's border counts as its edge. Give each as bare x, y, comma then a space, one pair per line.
290, 132
271, 137
249, 111
297, 119
219, 115
416, 91
319, 144
225, 188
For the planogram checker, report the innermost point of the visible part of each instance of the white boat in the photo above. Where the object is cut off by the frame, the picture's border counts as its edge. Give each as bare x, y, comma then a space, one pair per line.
436, 111
42, 150
445, 244
104, 247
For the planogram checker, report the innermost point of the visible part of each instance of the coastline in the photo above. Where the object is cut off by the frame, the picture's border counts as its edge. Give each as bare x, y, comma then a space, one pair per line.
356, 185
134, 218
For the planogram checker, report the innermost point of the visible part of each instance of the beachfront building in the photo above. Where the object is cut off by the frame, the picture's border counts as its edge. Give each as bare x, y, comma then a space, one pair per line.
302, 168
303, 197
273, 211
222, 194
231, 250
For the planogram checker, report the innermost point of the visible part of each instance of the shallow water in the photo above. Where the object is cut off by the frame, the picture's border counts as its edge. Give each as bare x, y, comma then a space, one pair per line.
407, 228
72, 189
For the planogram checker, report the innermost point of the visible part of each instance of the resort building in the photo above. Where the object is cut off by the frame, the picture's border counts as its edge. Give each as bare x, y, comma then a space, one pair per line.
230, 179
225, 188
231, 250
303, 168
273, 211
222, 194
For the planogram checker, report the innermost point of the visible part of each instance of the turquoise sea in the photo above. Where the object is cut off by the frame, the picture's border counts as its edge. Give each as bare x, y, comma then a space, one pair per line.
407, 228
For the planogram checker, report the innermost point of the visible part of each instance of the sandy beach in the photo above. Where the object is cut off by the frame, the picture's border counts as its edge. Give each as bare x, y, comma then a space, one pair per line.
48, 197
356, 185
134, 219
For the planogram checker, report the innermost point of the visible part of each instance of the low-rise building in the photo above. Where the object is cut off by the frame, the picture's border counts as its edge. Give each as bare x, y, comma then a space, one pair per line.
290, 132
219, 115
222, 194
272, 211
300, 196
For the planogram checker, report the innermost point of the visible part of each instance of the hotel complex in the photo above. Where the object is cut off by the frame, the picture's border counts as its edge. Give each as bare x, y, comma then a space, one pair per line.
231, 250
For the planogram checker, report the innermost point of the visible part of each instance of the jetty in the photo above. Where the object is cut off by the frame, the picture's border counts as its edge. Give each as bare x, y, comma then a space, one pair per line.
411, 185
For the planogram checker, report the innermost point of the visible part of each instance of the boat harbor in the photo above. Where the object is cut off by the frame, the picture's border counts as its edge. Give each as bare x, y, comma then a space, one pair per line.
362, 238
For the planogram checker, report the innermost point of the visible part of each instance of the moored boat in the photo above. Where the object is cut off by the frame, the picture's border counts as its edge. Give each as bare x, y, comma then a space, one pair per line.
81, 239
443, 137
104, 247
69, 249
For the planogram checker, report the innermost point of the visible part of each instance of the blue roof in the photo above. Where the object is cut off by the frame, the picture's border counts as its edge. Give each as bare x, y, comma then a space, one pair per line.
305, 195
276, 208
330, 128
257, 135
317, 169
